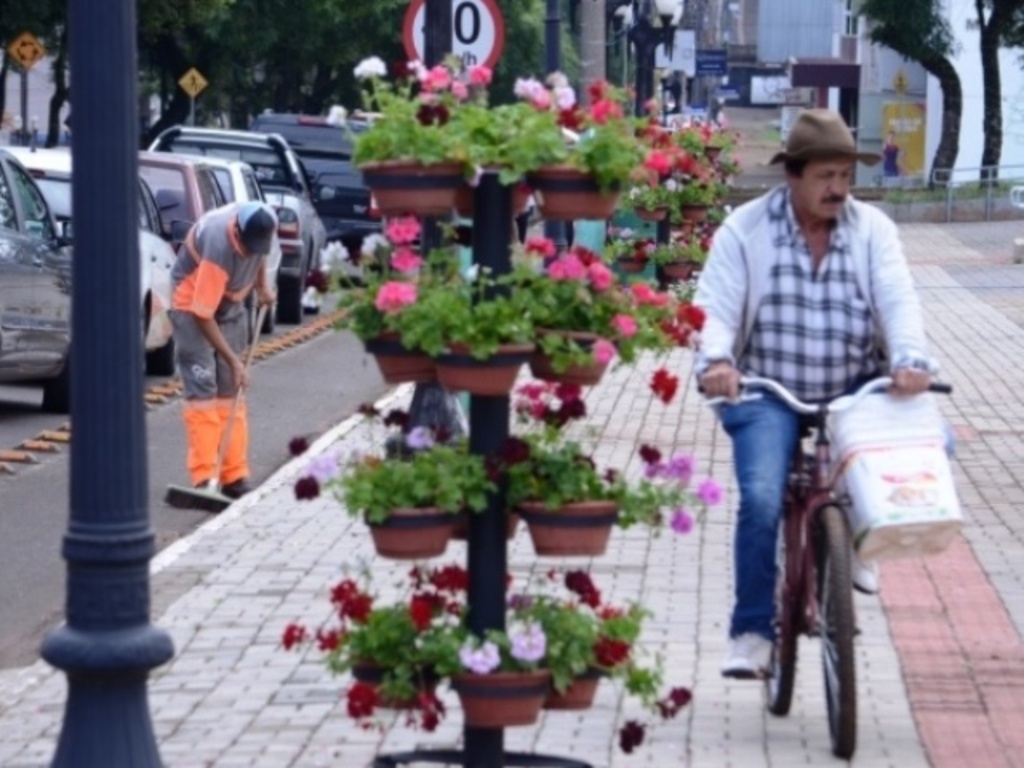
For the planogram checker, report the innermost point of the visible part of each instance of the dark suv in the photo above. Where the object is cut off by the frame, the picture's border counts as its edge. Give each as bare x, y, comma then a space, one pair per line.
326, 150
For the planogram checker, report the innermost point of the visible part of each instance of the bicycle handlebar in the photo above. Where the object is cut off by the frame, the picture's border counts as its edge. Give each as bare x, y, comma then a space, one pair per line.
836, 406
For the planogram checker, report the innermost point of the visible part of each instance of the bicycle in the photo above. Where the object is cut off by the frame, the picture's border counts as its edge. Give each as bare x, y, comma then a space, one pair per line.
814, 587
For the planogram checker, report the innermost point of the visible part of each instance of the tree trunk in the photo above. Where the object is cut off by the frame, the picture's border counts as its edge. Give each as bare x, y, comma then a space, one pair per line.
952, 107
992, 119
60, 91
593, 52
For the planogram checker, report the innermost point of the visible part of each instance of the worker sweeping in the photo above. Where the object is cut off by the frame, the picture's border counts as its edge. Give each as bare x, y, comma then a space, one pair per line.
220, 263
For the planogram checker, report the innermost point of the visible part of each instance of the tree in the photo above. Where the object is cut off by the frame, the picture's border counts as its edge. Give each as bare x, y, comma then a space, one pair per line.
996, 19
918, 30
593, 49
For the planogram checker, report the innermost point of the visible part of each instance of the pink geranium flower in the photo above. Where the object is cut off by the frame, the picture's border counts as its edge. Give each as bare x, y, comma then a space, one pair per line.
567, 267
604, 351
405, 260
393, 296
480, 75
600, 276
403, 231
625, 325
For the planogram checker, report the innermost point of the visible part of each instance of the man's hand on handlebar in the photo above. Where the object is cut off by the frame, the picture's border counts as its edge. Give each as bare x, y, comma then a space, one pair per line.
721, 379
910, 381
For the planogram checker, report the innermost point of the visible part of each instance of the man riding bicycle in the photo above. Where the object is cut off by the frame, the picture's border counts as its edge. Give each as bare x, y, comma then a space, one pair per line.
809, 287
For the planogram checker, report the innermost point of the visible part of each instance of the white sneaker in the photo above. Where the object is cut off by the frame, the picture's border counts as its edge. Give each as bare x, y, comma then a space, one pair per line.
864, 575
748, 658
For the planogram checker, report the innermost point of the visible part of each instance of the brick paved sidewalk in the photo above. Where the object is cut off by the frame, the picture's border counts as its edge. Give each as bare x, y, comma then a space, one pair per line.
232, 697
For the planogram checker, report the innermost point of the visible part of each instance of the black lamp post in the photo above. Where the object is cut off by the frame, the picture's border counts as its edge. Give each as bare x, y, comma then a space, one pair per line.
107, 647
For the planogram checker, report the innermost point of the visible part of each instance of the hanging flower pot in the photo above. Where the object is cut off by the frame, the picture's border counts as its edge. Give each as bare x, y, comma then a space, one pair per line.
581, 528
372, 674
397, 364
631, 266
680, 270
411, 534
459, 371
580, 693
407, 187
502, 699
566, 193
542, 366
466, 194
692, 212
652, 214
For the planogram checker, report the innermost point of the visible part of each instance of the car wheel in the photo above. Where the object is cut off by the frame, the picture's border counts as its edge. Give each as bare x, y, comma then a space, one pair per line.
57, 391
289, 298
160, 362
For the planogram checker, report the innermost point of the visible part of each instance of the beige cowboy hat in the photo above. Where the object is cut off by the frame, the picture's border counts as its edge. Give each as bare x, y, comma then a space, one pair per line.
819, 133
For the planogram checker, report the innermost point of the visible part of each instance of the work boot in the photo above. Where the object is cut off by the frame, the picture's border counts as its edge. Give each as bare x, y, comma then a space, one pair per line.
237, 489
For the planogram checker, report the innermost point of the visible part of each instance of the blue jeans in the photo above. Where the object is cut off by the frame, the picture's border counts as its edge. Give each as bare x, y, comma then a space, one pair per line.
764, 435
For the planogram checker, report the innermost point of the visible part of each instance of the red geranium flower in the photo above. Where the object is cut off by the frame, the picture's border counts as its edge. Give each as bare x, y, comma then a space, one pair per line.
610, 652
421, 611
631, 736
362, 698
664, 385
294, 634
307, 489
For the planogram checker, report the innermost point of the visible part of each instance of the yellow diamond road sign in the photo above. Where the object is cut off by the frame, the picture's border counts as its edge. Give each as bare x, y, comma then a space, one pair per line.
193, 82
26, 50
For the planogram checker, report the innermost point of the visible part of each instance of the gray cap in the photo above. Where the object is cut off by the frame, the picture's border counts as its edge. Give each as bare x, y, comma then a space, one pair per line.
256, 226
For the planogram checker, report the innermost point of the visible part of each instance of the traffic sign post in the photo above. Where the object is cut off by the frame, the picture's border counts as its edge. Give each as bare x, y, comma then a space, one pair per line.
26, 50
193, 83
478, 31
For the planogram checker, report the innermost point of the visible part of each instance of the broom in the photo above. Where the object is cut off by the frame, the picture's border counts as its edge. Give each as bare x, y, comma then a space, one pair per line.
208, 498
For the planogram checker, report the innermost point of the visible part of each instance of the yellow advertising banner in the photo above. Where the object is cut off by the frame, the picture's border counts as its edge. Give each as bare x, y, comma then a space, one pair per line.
903, 126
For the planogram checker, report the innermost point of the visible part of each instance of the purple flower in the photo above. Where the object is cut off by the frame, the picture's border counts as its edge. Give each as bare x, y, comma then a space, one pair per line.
680, 467
709, 492
420, 439
480, 660
681, 521
520, 602
530, 644
324, 467
653, 470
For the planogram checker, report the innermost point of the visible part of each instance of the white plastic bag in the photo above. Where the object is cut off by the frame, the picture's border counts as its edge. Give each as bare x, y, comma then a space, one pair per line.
890, 460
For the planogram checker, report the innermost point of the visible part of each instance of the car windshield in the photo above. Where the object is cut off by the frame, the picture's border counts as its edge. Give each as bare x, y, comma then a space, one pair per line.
269, 166
57, 193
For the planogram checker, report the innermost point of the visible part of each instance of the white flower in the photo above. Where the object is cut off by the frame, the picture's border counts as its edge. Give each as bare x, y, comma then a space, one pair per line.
671, 185
625, 233
373, 243
333, 253
371, 67
473, 272
565, 97
558, 80
337, 115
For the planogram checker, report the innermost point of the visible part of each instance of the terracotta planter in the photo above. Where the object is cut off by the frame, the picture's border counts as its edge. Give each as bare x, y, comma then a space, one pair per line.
579, 529
399, 365
408, 187
694, 212
680, 270
580, 693
565, 193
372, 673
465, 195
631, 266
502, 699
493, 377
584, 375
411, 534
461, 532
652, 214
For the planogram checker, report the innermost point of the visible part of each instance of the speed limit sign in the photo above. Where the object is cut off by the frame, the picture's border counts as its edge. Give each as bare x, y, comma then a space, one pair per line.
478, 31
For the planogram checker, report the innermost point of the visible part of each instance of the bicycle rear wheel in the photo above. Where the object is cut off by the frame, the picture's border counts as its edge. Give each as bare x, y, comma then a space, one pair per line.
782, 673
835, 614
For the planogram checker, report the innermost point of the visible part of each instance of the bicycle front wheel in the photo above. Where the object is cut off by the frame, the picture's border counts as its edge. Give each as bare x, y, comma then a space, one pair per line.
835, 614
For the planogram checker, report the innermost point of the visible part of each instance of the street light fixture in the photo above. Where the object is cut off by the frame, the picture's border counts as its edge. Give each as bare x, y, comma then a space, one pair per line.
646, 37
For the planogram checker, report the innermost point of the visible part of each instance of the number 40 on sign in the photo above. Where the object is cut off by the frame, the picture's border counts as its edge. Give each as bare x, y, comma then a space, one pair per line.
478, 31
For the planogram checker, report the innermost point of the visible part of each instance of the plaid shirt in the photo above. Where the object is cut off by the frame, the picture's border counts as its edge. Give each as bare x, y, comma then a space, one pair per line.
813, 332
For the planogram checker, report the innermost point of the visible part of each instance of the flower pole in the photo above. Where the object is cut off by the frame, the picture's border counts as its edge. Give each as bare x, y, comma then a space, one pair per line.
554, 230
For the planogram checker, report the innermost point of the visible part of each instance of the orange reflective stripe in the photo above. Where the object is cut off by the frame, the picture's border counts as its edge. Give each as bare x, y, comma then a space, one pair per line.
211, 282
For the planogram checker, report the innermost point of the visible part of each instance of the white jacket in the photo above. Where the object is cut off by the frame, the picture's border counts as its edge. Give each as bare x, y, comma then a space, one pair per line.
737, 276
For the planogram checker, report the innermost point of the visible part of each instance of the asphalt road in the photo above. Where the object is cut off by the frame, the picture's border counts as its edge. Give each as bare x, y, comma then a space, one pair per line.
301, 391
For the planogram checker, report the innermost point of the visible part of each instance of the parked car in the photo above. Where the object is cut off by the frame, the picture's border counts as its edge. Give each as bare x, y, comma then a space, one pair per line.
183, 190
339, 195
237, 182
35, 288
284, 181
51, 168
